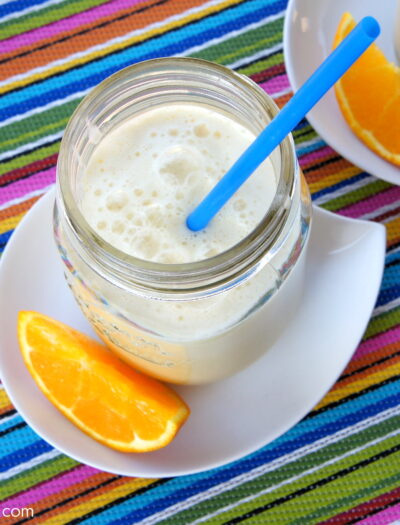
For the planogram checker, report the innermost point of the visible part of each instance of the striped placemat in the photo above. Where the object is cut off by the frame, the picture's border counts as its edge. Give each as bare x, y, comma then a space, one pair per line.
341, 464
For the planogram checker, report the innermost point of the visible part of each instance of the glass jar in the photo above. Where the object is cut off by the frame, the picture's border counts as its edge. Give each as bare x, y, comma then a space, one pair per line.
184, 323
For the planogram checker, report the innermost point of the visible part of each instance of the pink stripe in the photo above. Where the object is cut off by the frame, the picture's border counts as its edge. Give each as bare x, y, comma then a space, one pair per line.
382, 518
373, 203
314, 155
22, 187
52, 486
66, 24
276, 84
375, 343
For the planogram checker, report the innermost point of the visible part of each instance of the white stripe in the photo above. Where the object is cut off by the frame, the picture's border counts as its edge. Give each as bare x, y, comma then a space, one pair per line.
31, 145
391, 251
41, 109
257, 56
279, 462
392, 218
9, 418
231, 34
386, 307
281, 93
307, 143
109, 43
29, 464
303, 474
344, 190
28, 10
380, 211
26, 197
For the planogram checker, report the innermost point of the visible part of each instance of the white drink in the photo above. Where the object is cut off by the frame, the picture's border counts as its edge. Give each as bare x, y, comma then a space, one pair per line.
140, 183
138, 155
147, 175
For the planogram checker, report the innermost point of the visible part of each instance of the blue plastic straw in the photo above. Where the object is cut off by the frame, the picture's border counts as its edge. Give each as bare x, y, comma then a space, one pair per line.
333, 67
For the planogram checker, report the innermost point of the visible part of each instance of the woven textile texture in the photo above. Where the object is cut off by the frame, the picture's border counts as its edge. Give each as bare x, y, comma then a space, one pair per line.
341, 463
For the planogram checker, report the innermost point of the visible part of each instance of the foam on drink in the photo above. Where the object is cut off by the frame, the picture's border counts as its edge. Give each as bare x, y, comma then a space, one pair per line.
149, 173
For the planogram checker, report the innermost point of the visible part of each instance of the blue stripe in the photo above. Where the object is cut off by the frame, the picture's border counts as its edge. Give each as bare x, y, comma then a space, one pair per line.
342, 184
391, 277
391, 258
24, 454
177, 41
308, 149
387, 295
18, 5
16, 441
303, 124
10, 421
4, 237
306, 432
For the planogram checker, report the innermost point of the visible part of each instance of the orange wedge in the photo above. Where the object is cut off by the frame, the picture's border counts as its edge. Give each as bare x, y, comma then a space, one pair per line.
104, 397
369, 97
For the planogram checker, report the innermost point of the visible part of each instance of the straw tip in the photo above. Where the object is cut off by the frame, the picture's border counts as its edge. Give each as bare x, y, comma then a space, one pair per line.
194, 223
370, 26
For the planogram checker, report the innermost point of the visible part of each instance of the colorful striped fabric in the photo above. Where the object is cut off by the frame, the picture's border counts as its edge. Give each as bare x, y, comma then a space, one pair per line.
339, 465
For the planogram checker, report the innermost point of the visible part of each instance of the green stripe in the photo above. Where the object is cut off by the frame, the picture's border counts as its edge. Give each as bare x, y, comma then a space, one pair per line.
33, 135
243, 45
285, 472
353, 500
261, 65
56, 114
383, 322
310, 501
357, 195
307, 136
36, 475
305, 129
49, 14
39, 154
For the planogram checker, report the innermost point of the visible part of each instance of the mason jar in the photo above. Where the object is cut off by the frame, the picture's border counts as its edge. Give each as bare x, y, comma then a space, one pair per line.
187, 323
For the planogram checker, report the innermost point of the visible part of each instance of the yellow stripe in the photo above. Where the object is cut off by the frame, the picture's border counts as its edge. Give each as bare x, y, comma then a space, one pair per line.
98, 501
393, 230
334, 178
10, 223
114, 47
361, 384
4, 400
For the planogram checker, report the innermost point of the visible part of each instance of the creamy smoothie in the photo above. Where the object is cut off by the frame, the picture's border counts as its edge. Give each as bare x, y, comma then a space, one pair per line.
146, 176
137, 157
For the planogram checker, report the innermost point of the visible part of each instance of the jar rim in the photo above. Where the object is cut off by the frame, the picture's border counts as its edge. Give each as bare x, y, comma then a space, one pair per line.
223, 269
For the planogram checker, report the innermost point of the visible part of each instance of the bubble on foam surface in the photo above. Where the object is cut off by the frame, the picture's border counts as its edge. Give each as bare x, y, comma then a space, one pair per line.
239, 205
152, 193
116, 201
118, 227
201, 130
179, 162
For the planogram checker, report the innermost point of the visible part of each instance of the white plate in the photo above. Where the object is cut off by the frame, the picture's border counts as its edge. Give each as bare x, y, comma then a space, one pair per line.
309, 30
233, 417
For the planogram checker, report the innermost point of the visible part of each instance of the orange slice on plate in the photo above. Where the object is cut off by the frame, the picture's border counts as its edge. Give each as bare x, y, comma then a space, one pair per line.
369, 97
104, 397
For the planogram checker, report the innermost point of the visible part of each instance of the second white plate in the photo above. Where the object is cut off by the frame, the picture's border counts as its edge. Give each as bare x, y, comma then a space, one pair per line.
309, 30
230, 418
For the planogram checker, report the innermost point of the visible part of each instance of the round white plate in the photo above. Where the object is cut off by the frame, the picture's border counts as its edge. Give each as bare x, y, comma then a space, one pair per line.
231, 418
309, 30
